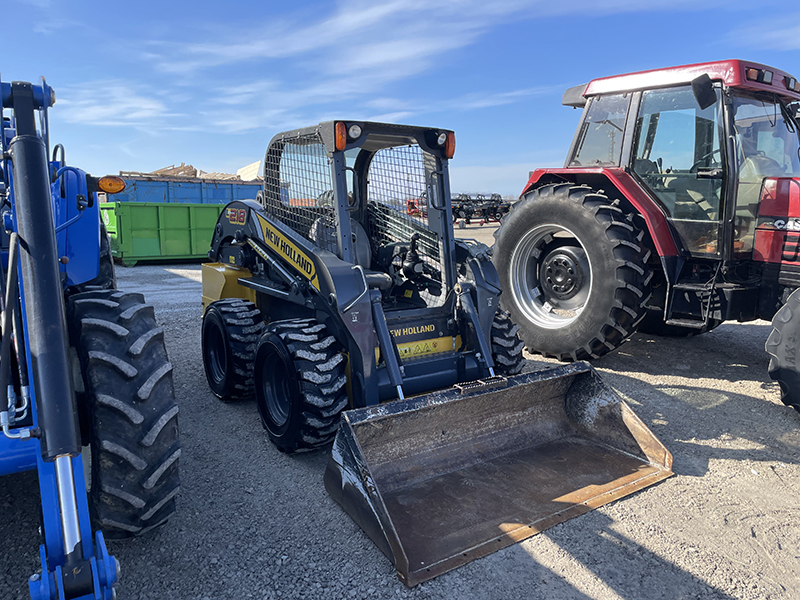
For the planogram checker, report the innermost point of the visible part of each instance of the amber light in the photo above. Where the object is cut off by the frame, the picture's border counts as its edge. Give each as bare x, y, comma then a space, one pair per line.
450, 145
111, 184
340, 132
792, 84
759, 75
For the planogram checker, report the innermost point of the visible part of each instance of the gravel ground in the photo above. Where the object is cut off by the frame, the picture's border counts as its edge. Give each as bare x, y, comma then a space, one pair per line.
253, 523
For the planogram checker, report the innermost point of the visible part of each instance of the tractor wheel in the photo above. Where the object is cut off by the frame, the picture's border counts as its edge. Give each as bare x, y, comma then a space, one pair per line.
783, 345
506, 345
128, 394
574, 271
231, 328
300, 384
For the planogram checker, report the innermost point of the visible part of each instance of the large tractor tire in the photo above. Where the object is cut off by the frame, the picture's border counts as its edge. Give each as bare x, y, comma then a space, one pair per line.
783, 346
230, 333
129, 397
506, 346
300, 384
574, 271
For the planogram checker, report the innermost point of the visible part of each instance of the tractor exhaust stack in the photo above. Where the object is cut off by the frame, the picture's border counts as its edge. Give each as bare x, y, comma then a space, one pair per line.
439, 480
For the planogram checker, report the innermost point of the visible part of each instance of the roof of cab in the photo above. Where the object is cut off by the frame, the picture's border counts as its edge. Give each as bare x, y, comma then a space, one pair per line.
731, 72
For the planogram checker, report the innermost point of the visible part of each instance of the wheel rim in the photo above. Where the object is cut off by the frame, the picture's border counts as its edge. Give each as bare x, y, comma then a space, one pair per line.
216, 354
551, 276
276, 388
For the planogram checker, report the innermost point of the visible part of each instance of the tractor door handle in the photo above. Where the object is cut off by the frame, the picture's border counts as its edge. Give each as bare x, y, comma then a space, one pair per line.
709, 173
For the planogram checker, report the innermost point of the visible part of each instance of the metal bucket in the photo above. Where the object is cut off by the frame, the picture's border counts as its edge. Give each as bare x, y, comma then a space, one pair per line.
442, 479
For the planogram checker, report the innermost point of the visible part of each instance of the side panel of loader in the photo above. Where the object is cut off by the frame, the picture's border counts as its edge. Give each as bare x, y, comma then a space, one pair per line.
442, 479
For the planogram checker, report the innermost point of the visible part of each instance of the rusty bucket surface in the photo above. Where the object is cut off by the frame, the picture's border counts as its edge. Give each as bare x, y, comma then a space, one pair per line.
442, 479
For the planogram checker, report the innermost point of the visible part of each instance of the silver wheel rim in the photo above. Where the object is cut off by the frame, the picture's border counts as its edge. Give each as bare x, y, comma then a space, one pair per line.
533, 296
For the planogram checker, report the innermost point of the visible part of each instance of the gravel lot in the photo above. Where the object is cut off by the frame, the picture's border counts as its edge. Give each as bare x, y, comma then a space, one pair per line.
253, 523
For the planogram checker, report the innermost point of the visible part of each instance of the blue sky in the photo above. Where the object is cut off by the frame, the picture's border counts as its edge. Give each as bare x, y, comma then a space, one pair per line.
147, 84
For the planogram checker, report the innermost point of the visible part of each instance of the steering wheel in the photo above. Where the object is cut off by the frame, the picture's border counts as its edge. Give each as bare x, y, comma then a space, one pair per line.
700, 162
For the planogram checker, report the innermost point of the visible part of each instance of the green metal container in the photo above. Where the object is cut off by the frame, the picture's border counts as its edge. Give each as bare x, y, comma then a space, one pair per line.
159, 230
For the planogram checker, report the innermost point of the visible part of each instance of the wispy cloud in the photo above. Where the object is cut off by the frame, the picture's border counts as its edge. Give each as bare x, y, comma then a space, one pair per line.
121, 103
772, 34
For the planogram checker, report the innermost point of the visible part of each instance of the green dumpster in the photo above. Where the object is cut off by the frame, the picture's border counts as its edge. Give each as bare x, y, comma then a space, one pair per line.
159, 230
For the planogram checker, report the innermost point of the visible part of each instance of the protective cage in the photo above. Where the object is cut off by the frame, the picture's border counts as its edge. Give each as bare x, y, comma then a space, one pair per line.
395, 186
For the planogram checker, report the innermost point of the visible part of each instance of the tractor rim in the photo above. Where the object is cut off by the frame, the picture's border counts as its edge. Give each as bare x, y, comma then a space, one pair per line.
551, 276
276, 385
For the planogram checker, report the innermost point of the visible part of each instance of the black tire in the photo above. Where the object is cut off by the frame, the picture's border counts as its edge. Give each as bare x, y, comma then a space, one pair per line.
300, 384
574, 272
230, 333
129, 396
783, 346
506, 346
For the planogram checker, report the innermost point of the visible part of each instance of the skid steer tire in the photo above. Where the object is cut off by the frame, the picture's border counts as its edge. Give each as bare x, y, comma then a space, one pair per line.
506, 346
230, 333
300, 384
129, 396
783, 346
574, 271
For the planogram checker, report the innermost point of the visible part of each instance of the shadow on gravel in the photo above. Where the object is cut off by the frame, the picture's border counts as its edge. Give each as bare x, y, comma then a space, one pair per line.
622, 567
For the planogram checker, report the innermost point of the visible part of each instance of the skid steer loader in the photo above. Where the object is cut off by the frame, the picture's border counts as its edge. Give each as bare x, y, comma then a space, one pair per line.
327, 293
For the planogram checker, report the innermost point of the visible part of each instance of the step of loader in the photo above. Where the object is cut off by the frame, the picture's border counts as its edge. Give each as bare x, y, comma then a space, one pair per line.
442, 479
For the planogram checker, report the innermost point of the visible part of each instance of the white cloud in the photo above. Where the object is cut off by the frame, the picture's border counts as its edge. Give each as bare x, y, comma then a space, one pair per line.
111, 103
772, 34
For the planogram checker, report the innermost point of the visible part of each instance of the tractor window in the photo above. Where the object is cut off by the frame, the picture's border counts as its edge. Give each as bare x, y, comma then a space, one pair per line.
766, 146
677, 155
600, 141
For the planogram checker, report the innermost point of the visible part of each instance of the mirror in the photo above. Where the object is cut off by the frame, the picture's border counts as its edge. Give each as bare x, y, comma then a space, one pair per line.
704, 91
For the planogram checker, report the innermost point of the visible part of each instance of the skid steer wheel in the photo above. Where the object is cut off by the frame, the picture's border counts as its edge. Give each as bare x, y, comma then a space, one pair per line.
574, 270
506, 345
783, 346
127, 388
231, 329
300, 384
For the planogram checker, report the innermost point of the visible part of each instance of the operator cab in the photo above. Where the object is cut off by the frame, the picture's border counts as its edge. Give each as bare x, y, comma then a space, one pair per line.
653, 125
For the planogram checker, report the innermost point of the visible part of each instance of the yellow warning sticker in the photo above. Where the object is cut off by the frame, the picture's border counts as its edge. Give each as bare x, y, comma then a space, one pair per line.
283, 246
409, 350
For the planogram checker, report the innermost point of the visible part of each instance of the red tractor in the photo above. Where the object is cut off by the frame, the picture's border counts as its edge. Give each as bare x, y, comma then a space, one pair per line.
678, 208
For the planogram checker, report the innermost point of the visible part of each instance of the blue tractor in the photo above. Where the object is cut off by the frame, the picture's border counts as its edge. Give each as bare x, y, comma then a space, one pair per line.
89, 396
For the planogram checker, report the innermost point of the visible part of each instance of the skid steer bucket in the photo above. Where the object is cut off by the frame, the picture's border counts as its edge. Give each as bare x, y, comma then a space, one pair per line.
442, 479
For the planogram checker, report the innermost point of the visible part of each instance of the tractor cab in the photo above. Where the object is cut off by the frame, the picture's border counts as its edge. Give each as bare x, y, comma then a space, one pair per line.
703, 163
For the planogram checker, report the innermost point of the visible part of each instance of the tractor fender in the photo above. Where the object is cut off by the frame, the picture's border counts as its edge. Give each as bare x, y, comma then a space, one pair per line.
661, 233
656, 219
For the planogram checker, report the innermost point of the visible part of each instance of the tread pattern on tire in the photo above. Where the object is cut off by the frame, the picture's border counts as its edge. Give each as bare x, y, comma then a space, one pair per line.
506, 346
633, 276
783, 346
244, 326
128, 388
320, 366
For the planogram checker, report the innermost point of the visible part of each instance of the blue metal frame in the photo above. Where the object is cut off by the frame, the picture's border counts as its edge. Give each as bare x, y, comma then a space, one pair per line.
78, 239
